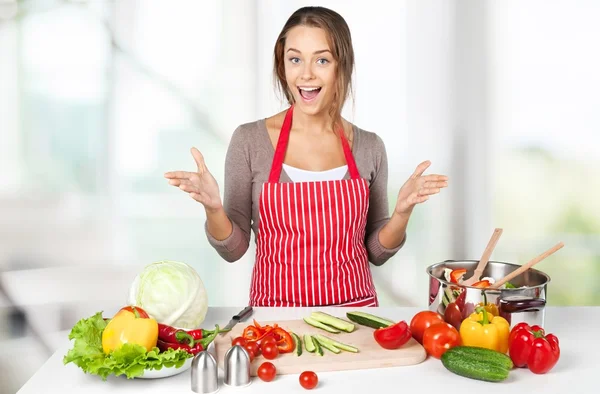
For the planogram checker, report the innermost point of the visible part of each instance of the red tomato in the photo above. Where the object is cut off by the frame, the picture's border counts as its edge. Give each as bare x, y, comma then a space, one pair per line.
421, 321
239, 341
252, 347
268, 339
270, 351
440, 337
142, 313
309, 380
267, 371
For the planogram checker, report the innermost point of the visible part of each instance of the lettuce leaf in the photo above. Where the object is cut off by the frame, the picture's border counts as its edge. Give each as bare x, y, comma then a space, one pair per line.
130, 360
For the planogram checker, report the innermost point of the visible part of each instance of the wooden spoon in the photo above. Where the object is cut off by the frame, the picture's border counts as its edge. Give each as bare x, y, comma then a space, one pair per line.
526, 266
484, 258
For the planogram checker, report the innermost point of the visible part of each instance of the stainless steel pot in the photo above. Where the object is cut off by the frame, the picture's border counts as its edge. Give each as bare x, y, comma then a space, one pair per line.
455, 302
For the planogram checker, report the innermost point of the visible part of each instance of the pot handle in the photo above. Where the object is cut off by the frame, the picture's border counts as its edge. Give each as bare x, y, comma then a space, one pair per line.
517, 306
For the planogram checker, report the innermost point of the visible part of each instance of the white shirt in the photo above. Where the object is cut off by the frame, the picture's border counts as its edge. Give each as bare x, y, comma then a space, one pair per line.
300, 175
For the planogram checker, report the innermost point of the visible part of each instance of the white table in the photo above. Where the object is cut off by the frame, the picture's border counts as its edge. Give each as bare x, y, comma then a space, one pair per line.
576, 371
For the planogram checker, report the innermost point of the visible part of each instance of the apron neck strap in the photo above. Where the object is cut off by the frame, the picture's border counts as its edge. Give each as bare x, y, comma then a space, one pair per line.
282, 142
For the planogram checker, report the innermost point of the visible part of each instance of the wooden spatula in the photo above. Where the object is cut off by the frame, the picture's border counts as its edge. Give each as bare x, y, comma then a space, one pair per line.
484, 258
526, 266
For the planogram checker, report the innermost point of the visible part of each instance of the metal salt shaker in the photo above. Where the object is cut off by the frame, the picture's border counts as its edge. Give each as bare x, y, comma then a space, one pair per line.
204, 373
237, 367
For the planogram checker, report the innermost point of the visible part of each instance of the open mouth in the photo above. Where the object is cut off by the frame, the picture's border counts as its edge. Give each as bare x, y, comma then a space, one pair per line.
309, 93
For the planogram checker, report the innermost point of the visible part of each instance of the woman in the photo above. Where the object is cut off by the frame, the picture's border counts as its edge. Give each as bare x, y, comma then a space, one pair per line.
309, 184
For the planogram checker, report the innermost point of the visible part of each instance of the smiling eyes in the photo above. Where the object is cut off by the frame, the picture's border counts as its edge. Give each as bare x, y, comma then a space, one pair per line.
320, 61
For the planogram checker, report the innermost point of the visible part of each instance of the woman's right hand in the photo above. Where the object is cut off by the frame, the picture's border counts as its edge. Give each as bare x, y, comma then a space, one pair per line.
200, 185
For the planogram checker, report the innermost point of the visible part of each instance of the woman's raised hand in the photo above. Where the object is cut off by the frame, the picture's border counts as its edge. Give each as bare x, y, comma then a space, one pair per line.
418, 188
200, 185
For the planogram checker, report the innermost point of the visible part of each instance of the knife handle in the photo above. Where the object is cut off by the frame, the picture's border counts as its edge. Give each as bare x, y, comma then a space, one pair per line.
246, 311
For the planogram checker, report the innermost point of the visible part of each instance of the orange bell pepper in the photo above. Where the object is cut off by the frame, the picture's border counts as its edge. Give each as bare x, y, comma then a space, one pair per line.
130, 326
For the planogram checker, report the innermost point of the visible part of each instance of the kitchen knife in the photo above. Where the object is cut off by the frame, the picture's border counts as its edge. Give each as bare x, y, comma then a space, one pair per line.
247, 311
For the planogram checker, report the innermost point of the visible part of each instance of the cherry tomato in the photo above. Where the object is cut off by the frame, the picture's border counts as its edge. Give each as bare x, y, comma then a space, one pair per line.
440, 337
270, 351
266, 371
268, 339
309, 380
239, 341
252, 347
421, 321
142, 313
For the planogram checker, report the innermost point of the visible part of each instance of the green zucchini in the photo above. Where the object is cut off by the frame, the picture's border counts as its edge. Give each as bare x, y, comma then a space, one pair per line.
309, 344
297, 344
339, 345
327, 345
332, 321
366, 319
318, 324
318, 347
477, 363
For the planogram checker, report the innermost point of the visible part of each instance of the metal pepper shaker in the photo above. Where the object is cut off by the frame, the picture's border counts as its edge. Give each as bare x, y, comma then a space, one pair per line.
237, 367
204, 373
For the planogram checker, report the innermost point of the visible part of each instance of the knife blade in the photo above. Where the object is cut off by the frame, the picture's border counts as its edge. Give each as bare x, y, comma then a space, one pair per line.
247, 311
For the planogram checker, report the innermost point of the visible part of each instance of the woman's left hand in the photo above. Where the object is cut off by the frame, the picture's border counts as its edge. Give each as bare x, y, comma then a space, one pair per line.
418, 188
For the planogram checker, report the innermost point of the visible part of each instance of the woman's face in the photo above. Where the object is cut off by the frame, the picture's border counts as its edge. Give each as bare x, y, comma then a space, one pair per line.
310, 69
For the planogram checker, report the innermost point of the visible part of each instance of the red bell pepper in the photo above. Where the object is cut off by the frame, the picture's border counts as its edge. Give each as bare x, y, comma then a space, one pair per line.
394, 336
530, 346
457, 274
482, 284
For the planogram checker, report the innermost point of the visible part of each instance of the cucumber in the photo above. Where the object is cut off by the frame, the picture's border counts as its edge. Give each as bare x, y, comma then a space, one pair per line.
332, 321
318, 347
366, 319
318, 324
477, 363
327, 345
339, 345
487, 355
309, 344
297, 344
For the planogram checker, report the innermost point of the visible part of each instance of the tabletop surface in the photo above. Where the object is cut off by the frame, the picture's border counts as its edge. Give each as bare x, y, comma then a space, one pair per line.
576, 328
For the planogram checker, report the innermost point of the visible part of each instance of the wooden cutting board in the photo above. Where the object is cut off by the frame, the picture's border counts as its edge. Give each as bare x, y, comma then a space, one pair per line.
370, 354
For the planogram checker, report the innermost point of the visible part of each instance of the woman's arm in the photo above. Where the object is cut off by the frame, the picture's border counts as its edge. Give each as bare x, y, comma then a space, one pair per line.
228, 229
384, 235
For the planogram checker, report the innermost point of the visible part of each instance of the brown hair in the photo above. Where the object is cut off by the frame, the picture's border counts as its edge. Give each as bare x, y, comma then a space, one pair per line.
340, 42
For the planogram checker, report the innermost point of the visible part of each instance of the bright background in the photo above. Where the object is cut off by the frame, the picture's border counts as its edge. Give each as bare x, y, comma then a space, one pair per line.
99, 98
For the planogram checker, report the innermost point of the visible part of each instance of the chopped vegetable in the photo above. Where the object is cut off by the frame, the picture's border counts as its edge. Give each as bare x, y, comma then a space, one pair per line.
531, 347
282, 339
332, 321
457, 274
393, 337
130, 359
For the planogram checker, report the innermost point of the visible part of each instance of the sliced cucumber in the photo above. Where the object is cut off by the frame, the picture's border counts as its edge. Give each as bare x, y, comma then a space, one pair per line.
297, 344
332, 321
309, 344
326, 344
338, 345
366, 319
318, 347
318, 324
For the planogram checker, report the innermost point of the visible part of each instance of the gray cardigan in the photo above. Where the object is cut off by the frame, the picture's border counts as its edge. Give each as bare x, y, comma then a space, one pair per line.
247, 167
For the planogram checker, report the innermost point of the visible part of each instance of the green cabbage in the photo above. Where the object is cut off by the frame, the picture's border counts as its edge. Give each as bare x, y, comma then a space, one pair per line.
172, 293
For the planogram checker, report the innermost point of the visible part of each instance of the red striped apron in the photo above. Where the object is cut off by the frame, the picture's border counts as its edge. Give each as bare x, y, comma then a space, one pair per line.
311, 239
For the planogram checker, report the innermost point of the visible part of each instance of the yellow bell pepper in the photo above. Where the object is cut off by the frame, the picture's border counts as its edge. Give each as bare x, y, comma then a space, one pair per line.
129, 326
490, 308
479, 330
